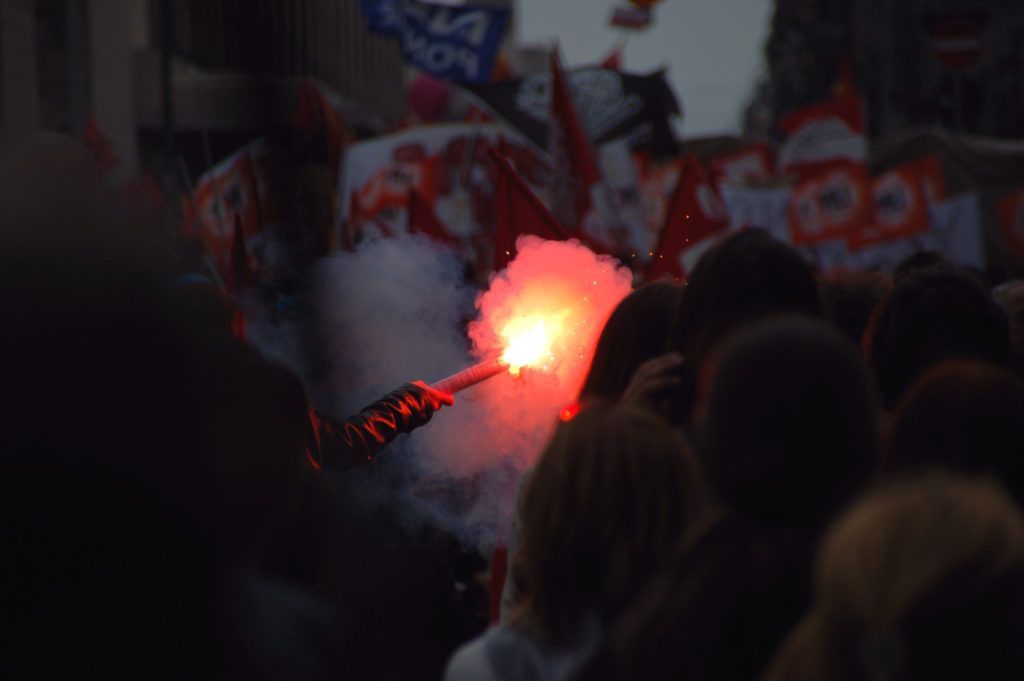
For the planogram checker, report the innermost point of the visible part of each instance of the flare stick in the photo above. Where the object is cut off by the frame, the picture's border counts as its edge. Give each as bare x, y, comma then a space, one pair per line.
471, 376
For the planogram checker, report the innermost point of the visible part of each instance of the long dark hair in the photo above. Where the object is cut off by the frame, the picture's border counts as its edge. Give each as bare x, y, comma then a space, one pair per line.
607, 505
636, 331
748, 275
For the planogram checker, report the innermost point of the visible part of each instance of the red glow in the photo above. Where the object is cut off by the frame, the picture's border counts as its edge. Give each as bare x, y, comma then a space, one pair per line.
546, 309
569, 412
528, 342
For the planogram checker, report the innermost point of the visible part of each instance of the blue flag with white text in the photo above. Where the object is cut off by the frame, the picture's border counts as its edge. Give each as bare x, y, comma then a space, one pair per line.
457, 43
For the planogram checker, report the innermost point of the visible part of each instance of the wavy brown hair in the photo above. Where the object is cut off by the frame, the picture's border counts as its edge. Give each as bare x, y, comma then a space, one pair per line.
610, 500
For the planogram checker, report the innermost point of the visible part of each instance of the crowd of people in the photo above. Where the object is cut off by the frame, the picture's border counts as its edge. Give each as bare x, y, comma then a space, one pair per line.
773, 473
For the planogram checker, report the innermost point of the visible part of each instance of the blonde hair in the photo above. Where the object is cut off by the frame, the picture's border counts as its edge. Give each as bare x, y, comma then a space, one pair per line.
921, 580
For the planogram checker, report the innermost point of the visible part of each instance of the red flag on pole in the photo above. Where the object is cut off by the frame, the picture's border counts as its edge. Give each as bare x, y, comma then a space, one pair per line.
240, 273
423, 219
1011, 220
315, 115
519, 211
99, 146
613, 60
695, 214
574, 168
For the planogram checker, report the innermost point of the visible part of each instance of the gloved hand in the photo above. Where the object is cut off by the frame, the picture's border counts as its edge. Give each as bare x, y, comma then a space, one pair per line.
436, 398
344, 444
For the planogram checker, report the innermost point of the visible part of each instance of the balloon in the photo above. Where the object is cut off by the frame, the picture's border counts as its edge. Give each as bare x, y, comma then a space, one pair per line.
429, 98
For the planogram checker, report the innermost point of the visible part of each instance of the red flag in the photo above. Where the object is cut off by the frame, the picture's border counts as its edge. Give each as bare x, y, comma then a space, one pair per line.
1011, 220
574, 169
614, 58
102, 153
696, 214
929, 169
519, 211
145, 195
315, 115
240, 272
423, 219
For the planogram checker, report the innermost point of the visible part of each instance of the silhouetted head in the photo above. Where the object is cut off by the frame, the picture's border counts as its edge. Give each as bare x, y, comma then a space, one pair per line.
850, 297
607, 504
747, 276
922, 581
636, 331
918, 261
791, 429
963, 416
206, 308
931, 316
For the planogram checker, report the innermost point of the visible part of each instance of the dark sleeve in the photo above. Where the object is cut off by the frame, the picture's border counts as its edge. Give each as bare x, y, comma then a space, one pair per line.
339, 444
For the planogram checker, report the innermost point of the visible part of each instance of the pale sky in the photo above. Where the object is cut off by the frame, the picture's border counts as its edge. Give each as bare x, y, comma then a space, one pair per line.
714, 49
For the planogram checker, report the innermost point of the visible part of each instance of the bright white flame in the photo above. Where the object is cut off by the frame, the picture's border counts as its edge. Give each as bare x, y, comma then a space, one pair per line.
526, 344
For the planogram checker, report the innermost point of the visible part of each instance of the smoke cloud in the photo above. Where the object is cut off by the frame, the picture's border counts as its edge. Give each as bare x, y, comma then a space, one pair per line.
399, 310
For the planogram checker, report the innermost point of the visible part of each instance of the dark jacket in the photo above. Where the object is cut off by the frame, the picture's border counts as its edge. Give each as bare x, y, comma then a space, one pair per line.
340, 444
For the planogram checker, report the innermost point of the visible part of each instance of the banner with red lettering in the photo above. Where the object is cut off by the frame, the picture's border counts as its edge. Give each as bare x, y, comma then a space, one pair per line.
448, 168
831, 203
900, 207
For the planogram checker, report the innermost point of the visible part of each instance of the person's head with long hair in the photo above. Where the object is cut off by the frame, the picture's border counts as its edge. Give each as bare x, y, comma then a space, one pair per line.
922, 581
790, 437
608, 503
792, 426
963, 416
930, 316
747, 276
850, 296
636, 331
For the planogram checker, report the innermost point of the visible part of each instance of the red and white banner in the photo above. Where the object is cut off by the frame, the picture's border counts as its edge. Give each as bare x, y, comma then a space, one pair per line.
822, 134
900, 207
447, 166
830, 204
749, 164
225, 193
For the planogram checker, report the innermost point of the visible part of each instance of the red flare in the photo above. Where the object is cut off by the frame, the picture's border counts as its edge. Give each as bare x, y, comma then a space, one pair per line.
471, 376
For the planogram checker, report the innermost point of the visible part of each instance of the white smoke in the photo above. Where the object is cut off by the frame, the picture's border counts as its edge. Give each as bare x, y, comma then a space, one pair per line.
397, 311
